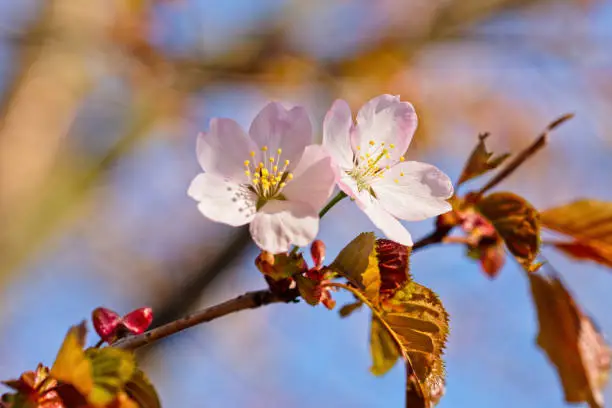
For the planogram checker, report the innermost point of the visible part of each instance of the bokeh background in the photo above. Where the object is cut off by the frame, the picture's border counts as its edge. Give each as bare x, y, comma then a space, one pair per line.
100, 103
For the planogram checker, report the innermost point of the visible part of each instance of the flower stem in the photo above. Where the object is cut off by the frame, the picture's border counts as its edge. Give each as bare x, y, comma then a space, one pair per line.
249, 300
331, 203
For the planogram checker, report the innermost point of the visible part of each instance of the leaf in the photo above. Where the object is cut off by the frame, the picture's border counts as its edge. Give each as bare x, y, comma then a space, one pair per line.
587, 251
571, 342
480, 161
516, 221
589, 222
309, 289
393, 265
349, 308
112, 368
140, 389
71, 366
383, 348
358, 263
418, 324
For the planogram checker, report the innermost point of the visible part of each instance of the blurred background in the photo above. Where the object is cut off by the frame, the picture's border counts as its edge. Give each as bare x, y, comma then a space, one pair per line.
100, 104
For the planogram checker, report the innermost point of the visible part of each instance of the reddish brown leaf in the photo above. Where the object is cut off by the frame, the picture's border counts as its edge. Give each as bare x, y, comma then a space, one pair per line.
587, 251
480, 161
516, 221
393, 265
571, 341
589, 223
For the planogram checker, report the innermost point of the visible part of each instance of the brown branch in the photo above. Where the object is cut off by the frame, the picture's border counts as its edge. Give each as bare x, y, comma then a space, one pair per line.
538, 144
436, 237
249, 300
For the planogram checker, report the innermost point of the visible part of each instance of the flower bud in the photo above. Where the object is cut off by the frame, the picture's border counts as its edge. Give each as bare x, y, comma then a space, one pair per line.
139, 320
317, 251
105, 322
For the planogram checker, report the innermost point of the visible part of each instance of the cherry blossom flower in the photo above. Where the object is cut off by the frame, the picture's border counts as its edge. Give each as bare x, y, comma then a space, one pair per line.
272, 177
373, 171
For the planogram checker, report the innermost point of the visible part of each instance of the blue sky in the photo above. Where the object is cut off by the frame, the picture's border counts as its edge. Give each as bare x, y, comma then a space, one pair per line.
295, 355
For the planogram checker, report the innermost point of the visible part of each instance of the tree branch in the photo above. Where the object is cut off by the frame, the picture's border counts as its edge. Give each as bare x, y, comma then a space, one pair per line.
538, 144
436, 237
249, 300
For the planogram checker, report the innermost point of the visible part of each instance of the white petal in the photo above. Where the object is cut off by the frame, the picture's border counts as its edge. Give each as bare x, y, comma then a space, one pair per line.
420, 193
279, 128
222, 200
314, 178
224, 148
348, 185
388, 224
279, 224
337, 133
385, 119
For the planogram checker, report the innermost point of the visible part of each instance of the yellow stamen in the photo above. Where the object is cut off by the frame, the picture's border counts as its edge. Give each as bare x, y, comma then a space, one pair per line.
402, 159
271, 159
246, 163
264, 149
247, 173
396, 180
402, 174
290, 176
252, 154
392, 146
372, 142
279, 151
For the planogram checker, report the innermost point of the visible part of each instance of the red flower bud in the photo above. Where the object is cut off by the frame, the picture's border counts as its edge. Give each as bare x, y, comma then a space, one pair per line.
139, 320
317, 251
110, 326
105, 322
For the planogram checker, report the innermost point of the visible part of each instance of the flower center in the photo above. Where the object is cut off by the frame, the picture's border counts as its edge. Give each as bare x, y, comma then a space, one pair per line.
367, 168
268, 177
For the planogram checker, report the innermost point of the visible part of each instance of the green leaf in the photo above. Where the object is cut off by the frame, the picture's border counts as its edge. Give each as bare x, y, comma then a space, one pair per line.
71, 366
417, 322
383, 348
516, 221
571, 342
349, 308
141, 391
358, 263
589, 223
480, 161
112, 369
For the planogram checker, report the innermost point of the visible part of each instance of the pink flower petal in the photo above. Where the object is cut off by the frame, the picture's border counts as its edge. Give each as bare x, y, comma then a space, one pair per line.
414, 191
388, 224
222, 200
224, 148
279, 224
314, 178
385, 119
279, 128
337, 133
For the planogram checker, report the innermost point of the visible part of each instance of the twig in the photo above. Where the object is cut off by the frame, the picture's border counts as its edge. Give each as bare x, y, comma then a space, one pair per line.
249, 300
539, 143
436, 237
